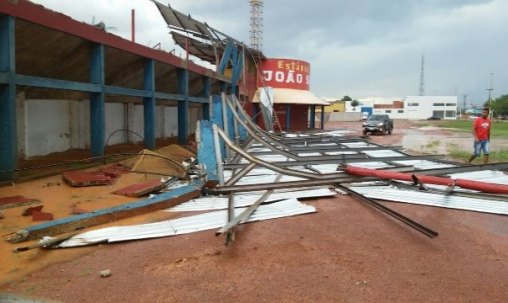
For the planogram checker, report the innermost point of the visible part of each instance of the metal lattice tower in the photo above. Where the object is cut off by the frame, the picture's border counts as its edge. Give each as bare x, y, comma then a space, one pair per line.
421, 89
256, 24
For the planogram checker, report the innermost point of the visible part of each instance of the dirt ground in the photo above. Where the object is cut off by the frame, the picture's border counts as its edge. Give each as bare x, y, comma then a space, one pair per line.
346, 252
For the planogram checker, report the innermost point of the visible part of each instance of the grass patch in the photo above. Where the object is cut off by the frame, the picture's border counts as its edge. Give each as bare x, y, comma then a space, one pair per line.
453, 151
498, 129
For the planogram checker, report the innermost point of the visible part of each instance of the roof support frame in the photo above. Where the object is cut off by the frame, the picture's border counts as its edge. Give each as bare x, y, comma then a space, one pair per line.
149, 103
97, 101
183, 106
8, 128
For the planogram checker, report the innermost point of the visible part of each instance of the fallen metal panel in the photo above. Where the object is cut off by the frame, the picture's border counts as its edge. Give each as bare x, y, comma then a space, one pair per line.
382, 153
391, 193
341, 153
325, 168
73, 223
373, 164
246, 199
490, 176
424, 164
186, 225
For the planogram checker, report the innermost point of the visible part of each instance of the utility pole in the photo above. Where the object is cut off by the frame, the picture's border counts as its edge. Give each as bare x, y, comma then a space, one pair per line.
464, 107
490, 93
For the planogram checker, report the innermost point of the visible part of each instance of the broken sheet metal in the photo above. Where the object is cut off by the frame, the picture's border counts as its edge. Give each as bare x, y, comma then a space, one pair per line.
489, 176
216, 219
335, 133
394, 194
382, 153
269, 158
424, 164
247, 198
373, 164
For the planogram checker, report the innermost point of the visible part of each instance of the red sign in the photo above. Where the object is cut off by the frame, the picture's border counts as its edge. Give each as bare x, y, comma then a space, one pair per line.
284, 73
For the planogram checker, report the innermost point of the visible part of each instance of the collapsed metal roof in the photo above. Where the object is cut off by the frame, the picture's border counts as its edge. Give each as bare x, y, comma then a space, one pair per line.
198, 38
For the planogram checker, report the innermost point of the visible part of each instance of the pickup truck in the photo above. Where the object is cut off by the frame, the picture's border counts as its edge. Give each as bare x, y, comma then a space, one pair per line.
378, 124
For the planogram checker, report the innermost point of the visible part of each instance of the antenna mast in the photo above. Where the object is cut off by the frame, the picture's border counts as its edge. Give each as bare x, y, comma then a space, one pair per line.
421, 90
256, 24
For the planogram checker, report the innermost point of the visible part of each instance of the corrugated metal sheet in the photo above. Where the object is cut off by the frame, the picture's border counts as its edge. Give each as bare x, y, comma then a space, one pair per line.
309, 154
383, 153
490, 176
246, 199
323, 144
358, 144
373, 165
391, 193
341, 153
325, 168
424, 164
185, 225
269, 158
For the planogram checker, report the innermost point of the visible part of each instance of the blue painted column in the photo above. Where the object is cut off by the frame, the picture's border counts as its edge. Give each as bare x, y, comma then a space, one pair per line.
288, 117
322, 116
236, 70
183, 106
206, 150
8, 135
217, 118
149, 104
312, 116
97, 101
206, 94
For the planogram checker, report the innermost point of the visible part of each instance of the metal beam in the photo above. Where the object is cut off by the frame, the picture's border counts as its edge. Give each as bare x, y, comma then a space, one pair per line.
8, 129
284, 185
205, 141
415, 225
206, 95
149, 103
183, 106
97, 101
224, 62
312, 116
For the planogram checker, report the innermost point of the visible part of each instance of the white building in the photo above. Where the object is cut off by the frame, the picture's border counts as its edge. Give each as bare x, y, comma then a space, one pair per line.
411, 107
423, 107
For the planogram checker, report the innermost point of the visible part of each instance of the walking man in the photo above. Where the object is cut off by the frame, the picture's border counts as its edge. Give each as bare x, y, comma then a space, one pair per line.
481, 133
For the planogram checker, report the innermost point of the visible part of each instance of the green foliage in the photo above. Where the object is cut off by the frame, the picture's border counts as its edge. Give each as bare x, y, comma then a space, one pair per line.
355, 103
500, 105
346, 98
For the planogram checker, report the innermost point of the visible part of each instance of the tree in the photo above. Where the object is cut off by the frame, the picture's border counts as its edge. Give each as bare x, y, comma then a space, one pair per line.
354, 104
500, 105
346, 98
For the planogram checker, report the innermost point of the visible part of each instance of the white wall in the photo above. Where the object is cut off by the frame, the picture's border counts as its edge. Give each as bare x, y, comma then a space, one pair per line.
115, 120
48, 126
422, 107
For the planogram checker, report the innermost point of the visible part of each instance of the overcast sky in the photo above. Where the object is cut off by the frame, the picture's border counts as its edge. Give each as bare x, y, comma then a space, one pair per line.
360, 48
